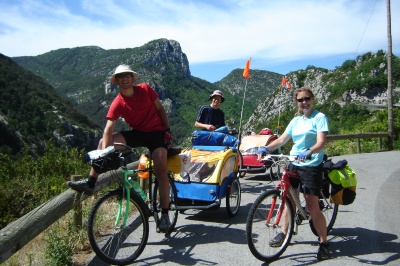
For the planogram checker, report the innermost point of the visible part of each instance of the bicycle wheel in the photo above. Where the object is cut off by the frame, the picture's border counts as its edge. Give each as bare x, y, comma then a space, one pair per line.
110, 240
329, 210
172, 213
241, 173
259, 232
233, 196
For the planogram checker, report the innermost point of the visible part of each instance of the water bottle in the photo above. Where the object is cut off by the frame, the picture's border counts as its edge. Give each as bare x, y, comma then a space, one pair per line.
138, 189
143, 163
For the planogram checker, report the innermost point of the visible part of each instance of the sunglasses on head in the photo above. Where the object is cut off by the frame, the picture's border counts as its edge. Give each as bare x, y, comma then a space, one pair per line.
304, 99
121, 76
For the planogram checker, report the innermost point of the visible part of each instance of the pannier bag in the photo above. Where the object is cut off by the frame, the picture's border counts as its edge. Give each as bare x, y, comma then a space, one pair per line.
343, 183
343, 196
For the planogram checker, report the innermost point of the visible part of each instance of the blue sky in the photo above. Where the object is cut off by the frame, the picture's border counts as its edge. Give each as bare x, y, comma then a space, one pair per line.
216, 35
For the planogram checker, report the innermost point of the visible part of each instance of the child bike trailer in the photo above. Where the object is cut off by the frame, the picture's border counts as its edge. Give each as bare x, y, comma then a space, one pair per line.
208, 176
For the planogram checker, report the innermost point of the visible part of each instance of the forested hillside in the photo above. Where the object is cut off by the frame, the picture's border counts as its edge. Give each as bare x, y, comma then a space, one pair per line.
32, 113
353, 96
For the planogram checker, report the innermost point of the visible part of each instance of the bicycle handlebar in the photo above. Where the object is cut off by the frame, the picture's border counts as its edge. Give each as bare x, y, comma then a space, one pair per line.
290, 158
98, 154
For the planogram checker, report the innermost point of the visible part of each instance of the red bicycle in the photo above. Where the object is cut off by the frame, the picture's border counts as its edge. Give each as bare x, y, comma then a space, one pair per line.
265, 219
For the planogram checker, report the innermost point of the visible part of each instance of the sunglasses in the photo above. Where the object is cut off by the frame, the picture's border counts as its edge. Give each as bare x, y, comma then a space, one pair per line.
304, 99
121, 76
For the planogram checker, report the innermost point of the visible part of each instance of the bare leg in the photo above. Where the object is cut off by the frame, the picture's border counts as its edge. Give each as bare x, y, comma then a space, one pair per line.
159, 157
285, 220
317, 216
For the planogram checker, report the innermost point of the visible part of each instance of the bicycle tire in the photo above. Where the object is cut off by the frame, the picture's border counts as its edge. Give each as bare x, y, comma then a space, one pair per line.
241, 173
259, 234
233, 197
172, 213
114, 244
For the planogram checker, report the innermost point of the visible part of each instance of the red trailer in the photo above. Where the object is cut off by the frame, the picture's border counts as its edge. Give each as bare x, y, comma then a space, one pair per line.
248, 148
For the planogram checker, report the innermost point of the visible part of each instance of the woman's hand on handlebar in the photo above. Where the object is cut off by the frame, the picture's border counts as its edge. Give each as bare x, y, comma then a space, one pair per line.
305, 155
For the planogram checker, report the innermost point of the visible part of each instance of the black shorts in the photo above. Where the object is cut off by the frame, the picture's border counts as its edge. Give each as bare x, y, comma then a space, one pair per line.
151, 140
310, 179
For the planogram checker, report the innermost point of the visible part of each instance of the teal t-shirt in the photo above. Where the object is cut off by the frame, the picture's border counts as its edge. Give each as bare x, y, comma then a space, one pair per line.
304, 135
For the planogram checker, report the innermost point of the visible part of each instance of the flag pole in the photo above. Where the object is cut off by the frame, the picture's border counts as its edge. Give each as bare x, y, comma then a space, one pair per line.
246, 75
241, 112
279, 108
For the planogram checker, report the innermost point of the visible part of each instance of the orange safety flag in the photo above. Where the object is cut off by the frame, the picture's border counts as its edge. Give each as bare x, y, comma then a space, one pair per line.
246, 71
285, 83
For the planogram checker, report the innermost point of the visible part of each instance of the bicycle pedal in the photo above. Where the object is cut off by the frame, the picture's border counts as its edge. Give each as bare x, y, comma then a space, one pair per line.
298, 218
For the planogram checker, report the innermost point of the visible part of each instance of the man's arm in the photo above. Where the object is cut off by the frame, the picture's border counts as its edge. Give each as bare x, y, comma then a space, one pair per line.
108, 134
204, 126
162, 113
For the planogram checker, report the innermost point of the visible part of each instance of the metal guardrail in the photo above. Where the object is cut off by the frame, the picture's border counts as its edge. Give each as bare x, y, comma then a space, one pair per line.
20, 232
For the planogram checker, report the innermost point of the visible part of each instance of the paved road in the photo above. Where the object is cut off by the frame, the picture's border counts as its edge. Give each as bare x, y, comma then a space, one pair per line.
366, 232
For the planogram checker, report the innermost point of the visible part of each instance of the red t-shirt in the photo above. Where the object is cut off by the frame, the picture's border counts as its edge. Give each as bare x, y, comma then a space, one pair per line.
139, 110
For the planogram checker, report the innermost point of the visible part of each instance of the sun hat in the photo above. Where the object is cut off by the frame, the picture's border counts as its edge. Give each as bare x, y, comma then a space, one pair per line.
123, 69
217, 93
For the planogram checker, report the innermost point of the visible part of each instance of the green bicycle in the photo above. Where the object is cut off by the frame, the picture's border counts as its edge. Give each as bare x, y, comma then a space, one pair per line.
118, 223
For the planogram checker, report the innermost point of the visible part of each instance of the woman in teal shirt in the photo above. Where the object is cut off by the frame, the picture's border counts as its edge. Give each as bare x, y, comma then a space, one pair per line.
308, 130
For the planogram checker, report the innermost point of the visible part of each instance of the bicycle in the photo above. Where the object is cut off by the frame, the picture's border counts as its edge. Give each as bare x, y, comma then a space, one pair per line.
118, 223
265, 216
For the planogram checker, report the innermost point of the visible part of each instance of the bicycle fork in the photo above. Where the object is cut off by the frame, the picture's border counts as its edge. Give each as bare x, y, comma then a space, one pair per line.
121, 208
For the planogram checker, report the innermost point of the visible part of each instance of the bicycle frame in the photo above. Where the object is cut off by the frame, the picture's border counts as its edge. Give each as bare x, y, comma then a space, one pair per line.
128, 185
286, 189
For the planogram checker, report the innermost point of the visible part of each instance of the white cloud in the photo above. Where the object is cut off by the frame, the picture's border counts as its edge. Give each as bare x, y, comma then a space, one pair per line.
207, 30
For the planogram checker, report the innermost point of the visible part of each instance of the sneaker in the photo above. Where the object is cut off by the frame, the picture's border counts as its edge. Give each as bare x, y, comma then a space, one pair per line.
81, 186
323, 251
164, 223
277, 241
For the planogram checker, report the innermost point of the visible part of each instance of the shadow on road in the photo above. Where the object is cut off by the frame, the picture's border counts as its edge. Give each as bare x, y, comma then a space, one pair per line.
351, 243
360, 241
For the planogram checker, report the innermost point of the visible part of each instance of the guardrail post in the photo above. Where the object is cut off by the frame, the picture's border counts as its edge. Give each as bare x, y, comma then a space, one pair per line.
77, 212
358, 145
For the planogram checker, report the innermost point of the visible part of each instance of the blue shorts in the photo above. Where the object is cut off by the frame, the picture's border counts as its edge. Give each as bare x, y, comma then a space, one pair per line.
310, 179
151, 140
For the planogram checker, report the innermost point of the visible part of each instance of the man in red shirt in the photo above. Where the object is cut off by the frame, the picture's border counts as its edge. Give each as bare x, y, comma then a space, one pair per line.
141, 108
